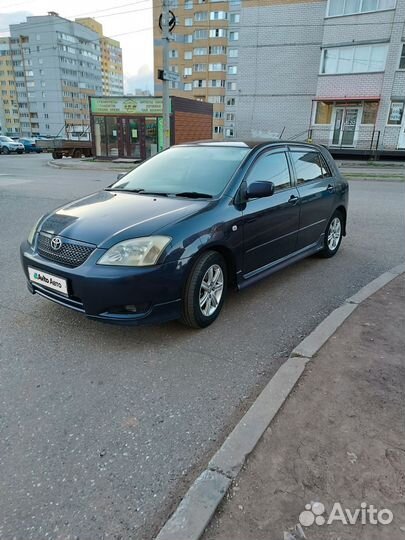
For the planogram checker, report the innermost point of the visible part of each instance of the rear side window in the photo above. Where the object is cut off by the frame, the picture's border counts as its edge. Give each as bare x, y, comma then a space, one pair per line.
271, 168
308, 166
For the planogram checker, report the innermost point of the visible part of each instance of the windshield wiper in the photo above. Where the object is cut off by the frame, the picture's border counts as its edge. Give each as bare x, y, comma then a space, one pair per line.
194, 195
141, 191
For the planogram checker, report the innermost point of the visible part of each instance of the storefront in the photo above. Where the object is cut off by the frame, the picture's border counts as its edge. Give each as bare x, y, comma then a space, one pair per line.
132, 127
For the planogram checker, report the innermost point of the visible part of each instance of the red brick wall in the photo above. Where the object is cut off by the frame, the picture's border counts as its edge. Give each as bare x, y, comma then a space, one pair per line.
191, 127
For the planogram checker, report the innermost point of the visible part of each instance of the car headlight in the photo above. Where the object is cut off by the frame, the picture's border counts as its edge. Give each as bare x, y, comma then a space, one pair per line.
33, 231
136, 252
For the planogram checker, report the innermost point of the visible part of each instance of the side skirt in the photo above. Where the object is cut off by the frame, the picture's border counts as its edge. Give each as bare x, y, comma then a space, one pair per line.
265, 271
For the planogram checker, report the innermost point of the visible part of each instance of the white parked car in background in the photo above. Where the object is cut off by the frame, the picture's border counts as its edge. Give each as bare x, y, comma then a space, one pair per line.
7, 145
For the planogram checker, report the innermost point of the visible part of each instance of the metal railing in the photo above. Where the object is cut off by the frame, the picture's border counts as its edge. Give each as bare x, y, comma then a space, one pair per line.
362, 138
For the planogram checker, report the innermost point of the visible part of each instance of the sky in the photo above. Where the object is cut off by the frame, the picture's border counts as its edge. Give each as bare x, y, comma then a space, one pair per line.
118, 17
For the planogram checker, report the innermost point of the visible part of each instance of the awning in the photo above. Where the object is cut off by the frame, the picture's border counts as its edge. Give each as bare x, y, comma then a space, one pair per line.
348, 99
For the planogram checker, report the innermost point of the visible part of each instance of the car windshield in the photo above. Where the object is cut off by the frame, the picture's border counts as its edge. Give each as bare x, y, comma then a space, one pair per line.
6, 139
188, 171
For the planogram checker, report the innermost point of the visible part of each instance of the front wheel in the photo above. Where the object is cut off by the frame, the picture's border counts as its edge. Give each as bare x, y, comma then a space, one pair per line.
205, 290
333, 235
5, 150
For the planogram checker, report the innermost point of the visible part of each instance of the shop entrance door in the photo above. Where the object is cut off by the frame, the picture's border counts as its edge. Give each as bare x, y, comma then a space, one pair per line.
132, 137
345, 123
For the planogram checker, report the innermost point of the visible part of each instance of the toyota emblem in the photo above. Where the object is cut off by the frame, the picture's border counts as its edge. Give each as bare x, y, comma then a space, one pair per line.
56, 243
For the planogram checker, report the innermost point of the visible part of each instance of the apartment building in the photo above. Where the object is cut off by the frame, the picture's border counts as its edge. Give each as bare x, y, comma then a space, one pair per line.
111, 59
199, 52
9, 111
57, 66
360, 95
332, 71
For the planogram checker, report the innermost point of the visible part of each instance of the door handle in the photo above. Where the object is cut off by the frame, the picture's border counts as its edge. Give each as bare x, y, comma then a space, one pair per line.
330, 188
293, 199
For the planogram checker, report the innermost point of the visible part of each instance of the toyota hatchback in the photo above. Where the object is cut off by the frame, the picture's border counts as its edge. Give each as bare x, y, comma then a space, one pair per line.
167, 240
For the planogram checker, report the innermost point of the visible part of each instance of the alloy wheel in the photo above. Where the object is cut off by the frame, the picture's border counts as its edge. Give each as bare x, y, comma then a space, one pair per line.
334, 233
211, 290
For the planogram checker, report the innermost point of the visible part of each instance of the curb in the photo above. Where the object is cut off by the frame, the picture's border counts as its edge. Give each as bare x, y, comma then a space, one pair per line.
190, 519
67, 167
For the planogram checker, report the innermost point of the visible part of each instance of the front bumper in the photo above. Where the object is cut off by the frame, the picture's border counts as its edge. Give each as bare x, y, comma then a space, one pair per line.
101, 292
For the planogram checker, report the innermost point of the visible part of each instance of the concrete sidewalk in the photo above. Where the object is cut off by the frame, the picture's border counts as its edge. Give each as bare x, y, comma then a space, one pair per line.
339, 438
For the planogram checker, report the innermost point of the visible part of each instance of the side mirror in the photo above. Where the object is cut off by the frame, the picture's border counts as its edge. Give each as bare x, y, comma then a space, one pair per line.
121, 175
260, 189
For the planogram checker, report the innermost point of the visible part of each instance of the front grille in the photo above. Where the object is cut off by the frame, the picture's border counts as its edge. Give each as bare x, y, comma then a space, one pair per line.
70, 254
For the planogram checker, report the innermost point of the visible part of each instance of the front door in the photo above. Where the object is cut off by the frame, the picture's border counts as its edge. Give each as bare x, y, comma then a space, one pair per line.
345, 123
270, 224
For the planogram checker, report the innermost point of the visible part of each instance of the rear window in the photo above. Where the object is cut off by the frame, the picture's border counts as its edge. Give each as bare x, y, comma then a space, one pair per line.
308, 166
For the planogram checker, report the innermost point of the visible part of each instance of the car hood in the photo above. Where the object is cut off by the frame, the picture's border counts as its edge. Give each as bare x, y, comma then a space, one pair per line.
108, 217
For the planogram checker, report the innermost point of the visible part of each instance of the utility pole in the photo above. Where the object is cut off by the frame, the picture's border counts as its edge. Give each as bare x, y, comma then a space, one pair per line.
165, 83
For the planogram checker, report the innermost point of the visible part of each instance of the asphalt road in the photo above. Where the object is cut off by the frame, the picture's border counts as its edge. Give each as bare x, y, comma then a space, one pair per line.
102, 427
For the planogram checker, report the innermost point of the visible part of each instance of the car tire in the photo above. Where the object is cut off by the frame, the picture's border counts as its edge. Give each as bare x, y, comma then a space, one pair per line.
208, 279
20, 151
5, 150
333, 235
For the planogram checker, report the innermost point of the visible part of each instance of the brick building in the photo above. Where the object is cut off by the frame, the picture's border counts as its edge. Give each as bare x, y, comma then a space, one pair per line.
330, 70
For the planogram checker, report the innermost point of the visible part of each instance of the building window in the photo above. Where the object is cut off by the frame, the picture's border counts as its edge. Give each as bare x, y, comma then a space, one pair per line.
231, 102
201, 16
360, 59
200, 83
231, 85
323, 113
216, 67
233, 36
402, 59
229, 132
349, 7
199, 67
230, 117
370, 109
396, 113
217, 33
232, 70
216, 99
201, 34
217, 49
188, 4
187, 71
174, 53
188, 55
218, 130
188, 39
188, 21
200, 51
218, 15
216, 83
218, 115
233, 53
188, 87
234, 18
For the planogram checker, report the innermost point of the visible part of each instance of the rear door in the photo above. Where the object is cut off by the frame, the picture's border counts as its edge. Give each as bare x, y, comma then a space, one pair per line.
316, 187
270, 224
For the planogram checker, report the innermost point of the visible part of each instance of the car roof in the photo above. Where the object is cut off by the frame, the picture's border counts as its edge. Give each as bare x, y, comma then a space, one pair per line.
251, 143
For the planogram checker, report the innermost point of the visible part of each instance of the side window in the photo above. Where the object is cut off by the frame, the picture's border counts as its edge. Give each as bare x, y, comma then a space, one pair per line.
326, 172
307, 166
271, 168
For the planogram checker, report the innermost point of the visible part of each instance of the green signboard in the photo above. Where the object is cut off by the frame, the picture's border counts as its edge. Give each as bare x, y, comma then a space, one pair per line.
160, 137
126, 105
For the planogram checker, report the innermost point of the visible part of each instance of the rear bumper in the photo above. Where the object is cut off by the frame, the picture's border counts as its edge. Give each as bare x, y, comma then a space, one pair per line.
101, 292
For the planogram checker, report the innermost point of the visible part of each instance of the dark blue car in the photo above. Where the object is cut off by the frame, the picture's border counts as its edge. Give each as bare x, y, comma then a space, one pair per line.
168, 239
30, 145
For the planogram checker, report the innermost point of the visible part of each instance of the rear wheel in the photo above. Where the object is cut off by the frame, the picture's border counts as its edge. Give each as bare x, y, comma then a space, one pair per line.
205, 291
333, 235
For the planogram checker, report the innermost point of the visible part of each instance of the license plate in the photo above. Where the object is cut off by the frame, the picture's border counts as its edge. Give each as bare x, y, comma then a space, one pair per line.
48, 280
